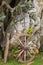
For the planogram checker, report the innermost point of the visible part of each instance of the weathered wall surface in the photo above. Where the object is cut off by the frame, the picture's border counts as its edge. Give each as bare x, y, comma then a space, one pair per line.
41, 37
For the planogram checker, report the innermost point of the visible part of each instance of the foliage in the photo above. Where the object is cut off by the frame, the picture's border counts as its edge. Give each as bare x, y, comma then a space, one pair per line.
8, 1
29, 31
0, 52
19, 9
15, 50
2, 17
37, 61
28, 5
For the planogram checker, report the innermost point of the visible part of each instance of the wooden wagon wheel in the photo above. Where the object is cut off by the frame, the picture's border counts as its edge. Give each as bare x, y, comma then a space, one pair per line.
23, 54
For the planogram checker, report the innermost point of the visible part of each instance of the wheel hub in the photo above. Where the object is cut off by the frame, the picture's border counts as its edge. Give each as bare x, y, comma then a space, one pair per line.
25, 47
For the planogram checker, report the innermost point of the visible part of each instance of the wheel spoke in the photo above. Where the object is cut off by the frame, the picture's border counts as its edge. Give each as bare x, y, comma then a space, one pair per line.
24, 55
25, 39
20, 54
20, 42
29, 43
18, 51
29, 53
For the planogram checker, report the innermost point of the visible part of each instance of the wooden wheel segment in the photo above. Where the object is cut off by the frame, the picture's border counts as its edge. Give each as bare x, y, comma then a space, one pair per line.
23, 54
24, 50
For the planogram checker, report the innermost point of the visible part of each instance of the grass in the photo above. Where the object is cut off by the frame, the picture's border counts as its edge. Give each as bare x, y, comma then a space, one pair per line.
11, 61
38, 60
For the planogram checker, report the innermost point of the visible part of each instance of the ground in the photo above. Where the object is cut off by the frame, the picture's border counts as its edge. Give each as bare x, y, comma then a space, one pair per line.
11, 61
38, 60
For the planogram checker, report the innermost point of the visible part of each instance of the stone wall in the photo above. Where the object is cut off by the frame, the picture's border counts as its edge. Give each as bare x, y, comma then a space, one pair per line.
41, 35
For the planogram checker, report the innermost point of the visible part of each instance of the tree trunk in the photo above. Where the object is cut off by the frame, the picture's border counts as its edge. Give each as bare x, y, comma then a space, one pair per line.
6, 48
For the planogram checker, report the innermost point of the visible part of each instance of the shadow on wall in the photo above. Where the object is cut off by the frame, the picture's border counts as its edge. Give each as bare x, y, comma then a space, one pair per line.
14, 3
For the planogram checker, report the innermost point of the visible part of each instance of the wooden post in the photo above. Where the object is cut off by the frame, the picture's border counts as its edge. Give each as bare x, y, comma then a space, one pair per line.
6, 48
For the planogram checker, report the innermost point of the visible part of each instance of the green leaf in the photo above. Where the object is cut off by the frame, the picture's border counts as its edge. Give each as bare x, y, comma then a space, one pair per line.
29, 31
15, 50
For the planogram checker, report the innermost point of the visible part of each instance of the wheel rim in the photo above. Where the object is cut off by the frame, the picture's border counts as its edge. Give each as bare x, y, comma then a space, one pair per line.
24, 50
